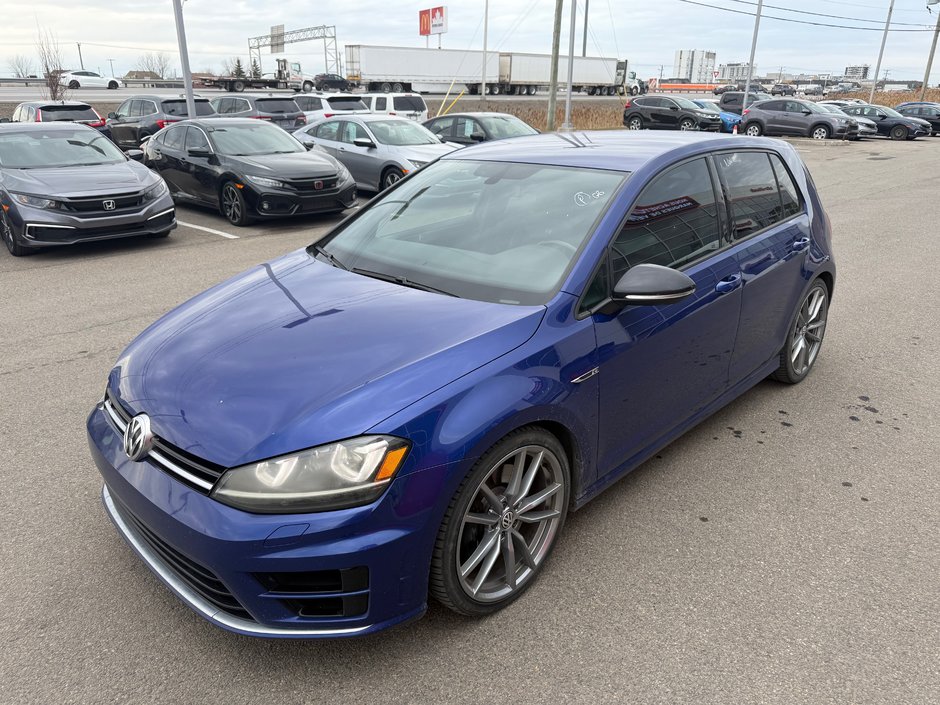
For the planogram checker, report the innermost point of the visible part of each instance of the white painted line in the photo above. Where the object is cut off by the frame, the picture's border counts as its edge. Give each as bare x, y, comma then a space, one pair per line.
207, 230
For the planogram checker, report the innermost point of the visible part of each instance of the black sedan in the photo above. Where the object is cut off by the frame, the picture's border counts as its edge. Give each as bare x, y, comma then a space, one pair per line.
890, 122
248, 169
63, 183
660, 112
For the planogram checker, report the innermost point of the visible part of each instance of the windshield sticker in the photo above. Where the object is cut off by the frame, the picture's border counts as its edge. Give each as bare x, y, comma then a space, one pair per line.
582, 199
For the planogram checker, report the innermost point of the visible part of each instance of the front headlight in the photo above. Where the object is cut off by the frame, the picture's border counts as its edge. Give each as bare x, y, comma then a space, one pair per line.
155, 191
264, 181
343, 173
417, 165
843, 121
35, 201
336, 476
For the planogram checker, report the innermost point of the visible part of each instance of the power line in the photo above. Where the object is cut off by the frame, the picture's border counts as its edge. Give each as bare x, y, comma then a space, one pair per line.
835, 17
793, 21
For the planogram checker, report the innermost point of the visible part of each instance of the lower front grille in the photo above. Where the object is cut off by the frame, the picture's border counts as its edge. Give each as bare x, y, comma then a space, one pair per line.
196, 576
320, 593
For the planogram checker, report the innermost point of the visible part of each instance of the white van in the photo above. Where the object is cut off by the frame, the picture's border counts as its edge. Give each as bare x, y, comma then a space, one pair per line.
409, 105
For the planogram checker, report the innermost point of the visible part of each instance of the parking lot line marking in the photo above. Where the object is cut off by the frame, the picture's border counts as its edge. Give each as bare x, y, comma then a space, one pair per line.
208, 230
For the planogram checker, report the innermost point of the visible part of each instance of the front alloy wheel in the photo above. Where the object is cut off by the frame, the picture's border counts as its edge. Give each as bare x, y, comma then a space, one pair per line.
391, 177
806, 336
635, 123
686, 125
820, 132
502, 524
9, 238
233, 205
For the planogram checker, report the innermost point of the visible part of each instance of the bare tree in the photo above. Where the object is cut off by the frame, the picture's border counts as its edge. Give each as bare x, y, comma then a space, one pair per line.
155, 62
50, 63
22, 66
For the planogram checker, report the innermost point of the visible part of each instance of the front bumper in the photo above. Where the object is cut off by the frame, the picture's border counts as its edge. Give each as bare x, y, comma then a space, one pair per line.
275, 202
230, 566
42, 228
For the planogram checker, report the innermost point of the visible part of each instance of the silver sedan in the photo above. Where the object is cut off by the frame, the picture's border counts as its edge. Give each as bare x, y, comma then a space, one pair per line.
377, 149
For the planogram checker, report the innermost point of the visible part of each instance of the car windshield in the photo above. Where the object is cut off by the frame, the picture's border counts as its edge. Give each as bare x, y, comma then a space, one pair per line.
177, 108
252, 140
346, 102
67, 113
400, 133
503, 126
829, 108
277, 105
707, 107
38, 149
890, 112
686, 104
491, 231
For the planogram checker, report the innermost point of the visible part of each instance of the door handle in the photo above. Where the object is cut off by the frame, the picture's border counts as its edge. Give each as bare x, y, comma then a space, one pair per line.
728, 284
342, 149
800, 245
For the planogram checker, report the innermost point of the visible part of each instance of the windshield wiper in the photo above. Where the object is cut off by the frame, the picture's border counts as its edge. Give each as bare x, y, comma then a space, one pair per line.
330, 257
402, 281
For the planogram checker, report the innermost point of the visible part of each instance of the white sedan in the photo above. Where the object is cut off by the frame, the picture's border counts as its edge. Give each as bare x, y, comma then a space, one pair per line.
87, 79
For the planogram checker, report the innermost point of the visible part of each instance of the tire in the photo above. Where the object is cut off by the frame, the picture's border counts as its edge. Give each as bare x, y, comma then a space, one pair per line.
899, 132
535, 89
494, 89
753, 129
398, 88
386, 87
809, 325
687, 124
635, 90
112, 86
307, 87
483, 531
232, 204
9, 238
391, 176
635, 123
74, 85
238, 86
820, 132
591, 90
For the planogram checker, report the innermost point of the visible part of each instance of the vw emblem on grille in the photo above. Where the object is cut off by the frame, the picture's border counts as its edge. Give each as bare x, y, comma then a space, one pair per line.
109, 205
318, 185
138, 439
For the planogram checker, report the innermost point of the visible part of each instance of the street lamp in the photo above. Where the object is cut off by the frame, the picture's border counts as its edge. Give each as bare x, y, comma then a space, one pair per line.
184, 58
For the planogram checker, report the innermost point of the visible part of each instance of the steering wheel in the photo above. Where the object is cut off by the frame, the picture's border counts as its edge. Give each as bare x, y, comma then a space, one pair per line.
567, 246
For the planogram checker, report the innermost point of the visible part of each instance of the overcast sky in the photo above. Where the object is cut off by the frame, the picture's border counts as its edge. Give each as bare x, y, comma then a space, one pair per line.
646, 33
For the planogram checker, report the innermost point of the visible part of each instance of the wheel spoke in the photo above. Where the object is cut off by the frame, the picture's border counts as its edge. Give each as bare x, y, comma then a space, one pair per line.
509, 561
515, 479
491, 498
535, 500
536, 517
812, 337
815, 305
486, 545
798, 347
523, 548
816, 326
488, 564
530, 475
483, 519
803, 355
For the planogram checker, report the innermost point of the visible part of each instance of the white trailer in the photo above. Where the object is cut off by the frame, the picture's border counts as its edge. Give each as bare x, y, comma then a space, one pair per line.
524, 74
398, 69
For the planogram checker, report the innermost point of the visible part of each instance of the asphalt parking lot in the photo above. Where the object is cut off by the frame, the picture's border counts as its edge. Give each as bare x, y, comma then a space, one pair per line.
784, 551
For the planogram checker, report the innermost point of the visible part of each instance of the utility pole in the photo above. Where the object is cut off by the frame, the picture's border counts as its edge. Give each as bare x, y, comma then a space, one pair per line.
553, 78
486, 20
780, 75
584, 44
660, 86
184, 58
111, 61
750, 65
566, 125
80, 61
881, 53
933, 49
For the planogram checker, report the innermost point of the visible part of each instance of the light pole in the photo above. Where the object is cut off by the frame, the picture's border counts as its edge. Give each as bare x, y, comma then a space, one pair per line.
486, 21
553, 78
566, 125
881, 53
184, 58
584, 43
81, 62
111, 61
933, 49
750, 65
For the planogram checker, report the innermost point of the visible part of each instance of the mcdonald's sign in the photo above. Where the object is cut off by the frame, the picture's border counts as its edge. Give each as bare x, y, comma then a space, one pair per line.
424, 22
432, 21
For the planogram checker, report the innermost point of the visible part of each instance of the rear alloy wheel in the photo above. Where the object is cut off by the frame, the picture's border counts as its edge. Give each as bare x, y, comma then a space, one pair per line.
806, 336
112, 86
502, 524
391, 177
753, 130
74, 84
233, 204
899, 132
687, 124
9, 238
635, 123
820, 132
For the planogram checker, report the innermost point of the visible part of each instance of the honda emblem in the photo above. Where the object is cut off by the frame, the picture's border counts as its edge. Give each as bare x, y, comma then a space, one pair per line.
318, 185
109, 205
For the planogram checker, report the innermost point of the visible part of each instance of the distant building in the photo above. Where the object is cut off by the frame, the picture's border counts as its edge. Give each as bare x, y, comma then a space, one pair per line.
857, 73
142, 76
697, 65
734, 72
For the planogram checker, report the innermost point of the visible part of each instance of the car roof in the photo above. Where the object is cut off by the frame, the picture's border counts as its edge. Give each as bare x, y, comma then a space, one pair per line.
619, 150
161, 98
41, 103
43, 126
477, 114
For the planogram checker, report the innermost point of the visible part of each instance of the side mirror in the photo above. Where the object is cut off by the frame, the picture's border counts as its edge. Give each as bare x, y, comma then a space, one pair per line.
198, 153
308, 145
364, 142
135, 154
478, 137
673, 107
652, 285
806, 112
882, 117
112, 116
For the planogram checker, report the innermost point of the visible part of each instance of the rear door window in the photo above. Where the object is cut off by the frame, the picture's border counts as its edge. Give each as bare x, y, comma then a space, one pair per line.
380, 104
175, 137
442, 127
329, 130
753, 195
789, 193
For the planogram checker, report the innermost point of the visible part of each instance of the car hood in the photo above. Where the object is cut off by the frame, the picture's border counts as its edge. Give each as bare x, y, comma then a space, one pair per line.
424, 152
296, 353
79, 181
918, 121
295, 165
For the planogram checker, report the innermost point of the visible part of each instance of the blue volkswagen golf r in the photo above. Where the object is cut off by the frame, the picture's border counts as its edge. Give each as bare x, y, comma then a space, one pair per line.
414, 404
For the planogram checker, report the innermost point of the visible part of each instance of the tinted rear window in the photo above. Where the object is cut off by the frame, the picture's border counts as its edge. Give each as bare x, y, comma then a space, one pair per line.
276, 105
308, 102
409, 102
178, 107
346, 103
70, 113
